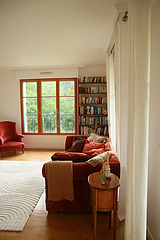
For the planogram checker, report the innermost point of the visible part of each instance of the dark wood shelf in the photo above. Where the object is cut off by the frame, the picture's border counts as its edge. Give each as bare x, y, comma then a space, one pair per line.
90, 93
91, 125
93, 115
92, 104
96, 83
93, 93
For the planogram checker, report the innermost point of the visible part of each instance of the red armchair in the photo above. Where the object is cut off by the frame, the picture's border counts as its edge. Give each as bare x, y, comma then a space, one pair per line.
10, 139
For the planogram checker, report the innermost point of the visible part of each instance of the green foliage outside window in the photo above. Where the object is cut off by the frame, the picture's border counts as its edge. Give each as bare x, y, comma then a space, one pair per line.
49, 109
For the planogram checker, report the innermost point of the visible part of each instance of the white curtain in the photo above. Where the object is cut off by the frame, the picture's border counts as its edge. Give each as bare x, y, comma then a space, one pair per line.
121, 80
138, 119
111, 93
117, 72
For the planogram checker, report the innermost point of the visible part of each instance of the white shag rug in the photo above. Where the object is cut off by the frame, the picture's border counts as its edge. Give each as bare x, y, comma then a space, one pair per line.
21, 186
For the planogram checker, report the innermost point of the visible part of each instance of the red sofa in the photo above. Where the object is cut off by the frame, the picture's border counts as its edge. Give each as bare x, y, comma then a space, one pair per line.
81, 171
10, 139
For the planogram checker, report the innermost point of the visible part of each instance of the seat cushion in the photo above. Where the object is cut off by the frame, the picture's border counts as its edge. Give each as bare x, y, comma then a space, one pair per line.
73, 156
11, 145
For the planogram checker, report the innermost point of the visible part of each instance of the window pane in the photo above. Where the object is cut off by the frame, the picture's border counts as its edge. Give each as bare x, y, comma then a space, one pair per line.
29, 89
49, 118
48, 106
67, 114
30, 115
66, 88
49, 88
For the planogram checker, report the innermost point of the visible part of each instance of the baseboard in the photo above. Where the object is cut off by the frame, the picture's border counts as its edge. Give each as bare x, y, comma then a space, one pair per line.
149, 235
43, 147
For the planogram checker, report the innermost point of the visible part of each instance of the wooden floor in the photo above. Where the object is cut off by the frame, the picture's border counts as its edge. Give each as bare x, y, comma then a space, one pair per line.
57, 226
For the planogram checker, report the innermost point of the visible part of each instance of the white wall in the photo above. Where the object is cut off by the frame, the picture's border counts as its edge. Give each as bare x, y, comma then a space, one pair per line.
154, 143
10, 98
90, 71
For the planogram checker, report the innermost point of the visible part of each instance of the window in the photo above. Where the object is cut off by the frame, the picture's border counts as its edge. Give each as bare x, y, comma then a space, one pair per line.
49, 106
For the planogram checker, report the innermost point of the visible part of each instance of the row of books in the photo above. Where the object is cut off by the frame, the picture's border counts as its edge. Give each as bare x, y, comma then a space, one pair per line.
85, 130
92, 110
92, 90
92, 79
92, 120
93, 100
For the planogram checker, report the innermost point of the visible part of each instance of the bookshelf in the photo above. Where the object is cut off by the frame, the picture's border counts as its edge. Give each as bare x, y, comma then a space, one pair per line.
93, 115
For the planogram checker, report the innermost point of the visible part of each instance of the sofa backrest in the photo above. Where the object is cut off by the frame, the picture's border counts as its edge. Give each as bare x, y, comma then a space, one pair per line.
69, 140
7, 130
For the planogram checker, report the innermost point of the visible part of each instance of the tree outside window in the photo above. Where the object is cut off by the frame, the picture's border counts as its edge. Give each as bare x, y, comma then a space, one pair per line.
48, 106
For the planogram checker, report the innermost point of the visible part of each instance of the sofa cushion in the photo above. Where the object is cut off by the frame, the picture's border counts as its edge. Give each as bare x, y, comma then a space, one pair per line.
77, 144
108, 146
73, 156
95, 152
94, 161
97, 138
69, 140
89, 145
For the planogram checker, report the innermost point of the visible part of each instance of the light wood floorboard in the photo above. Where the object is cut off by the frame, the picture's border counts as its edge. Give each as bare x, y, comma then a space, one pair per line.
57, 226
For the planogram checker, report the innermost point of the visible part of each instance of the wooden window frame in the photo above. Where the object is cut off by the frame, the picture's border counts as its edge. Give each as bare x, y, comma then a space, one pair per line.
39, 105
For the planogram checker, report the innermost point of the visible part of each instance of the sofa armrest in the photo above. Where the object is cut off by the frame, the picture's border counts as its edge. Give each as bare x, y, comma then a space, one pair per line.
81, 171
43, 171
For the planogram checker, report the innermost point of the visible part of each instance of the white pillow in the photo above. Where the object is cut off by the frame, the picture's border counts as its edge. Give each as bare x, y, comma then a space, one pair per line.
99, 158
96, 138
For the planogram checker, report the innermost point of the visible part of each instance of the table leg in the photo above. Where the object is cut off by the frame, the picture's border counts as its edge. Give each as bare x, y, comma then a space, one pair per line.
94, 213
114, 225
110, 213
115, 214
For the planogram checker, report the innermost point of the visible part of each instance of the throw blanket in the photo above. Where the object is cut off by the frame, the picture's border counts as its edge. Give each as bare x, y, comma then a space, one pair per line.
60, 180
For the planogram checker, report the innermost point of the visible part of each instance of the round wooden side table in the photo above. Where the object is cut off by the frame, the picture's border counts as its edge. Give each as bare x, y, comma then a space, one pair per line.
103, 198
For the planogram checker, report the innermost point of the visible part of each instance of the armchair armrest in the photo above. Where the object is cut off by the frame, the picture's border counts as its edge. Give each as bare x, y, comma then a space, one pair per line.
1, 140
17, 137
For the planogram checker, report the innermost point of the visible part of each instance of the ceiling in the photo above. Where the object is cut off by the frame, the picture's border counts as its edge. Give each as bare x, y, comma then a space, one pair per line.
41, 33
